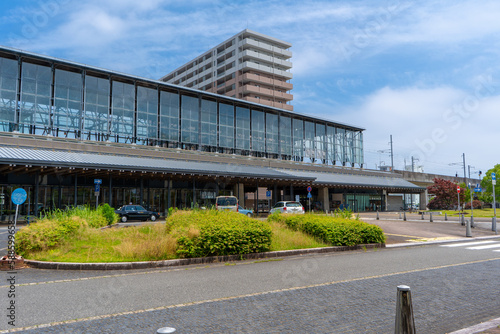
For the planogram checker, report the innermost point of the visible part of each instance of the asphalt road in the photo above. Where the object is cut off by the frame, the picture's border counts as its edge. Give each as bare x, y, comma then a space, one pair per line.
351, 292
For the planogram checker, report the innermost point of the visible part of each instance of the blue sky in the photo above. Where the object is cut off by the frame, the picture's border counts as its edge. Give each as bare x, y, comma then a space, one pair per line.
426, 72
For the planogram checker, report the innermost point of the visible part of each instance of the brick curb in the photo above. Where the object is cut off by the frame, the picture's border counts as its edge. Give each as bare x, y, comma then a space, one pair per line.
185, 262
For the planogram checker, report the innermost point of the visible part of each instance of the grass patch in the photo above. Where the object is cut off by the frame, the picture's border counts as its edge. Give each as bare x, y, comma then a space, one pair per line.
185, 234
480, 213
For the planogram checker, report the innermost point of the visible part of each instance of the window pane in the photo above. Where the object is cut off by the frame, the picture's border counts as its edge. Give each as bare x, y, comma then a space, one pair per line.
309, 134
330, 140
298, 138
68, 100
208, 123
122, 112
285, 135
96, 105
35, 96
226, 125
242, 128
8, 89
189, 119
169, 116
319, 142
271, 133
258, 131
147, 113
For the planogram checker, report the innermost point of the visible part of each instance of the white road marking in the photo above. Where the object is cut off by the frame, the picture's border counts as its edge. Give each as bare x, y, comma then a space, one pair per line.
485, 247
468, 244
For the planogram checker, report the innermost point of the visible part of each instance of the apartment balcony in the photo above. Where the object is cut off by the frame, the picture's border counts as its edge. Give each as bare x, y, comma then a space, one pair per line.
251, 77
247, 89
261, 57
248, 65
250, 43
269, 103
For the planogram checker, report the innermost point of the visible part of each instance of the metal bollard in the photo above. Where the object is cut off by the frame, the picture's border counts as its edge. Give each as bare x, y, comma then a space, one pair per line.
472, 221
461, 218
404, 216
430, 217
422, 216
445, 216
405, 324
494, 224
399, 214
468, 232
378, 218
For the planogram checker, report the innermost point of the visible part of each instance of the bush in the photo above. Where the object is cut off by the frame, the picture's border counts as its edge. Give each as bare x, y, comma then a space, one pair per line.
55, 226
334, 230
215, 233
108, 213
476, 204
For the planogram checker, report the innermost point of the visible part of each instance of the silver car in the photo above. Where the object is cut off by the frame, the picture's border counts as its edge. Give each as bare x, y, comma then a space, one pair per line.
288, 207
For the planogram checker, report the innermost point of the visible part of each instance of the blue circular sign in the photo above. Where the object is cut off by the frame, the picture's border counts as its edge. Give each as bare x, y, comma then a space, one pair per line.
309, 188
19, 196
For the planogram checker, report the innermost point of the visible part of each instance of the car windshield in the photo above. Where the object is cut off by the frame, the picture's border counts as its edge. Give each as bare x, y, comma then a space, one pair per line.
226, 201
293, 204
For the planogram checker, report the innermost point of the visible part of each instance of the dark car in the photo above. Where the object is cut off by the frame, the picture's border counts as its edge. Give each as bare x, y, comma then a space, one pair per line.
136, 212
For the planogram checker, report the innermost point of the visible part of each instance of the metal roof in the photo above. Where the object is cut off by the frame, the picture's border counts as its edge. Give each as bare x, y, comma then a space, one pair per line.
25, 156
365, 181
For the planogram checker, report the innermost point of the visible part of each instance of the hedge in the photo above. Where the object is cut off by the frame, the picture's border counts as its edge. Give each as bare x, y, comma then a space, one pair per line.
334, 230
214, 233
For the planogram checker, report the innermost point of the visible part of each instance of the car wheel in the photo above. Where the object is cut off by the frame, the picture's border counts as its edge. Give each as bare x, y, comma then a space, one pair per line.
152, 218
249, 214
124, 219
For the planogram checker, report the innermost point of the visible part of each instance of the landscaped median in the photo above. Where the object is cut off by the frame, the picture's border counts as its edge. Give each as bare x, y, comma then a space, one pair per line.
198, 236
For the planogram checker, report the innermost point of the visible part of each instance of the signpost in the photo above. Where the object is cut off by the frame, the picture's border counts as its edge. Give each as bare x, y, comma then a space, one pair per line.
309, 196
494, 220
97, 190
18, 197
458, 194
268, 196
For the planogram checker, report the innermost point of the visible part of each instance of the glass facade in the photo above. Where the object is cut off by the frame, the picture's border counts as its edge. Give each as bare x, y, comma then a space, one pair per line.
8, 91
242, 128
208, 123
226, 125
42, 97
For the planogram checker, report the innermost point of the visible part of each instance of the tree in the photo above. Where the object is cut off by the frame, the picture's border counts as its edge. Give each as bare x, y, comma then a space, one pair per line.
445, 193
488, 185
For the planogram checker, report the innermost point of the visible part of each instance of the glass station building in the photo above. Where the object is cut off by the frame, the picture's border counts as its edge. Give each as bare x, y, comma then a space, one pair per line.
64, 125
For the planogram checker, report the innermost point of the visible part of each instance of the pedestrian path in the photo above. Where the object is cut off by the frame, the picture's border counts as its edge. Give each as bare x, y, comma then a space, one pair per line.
477, 245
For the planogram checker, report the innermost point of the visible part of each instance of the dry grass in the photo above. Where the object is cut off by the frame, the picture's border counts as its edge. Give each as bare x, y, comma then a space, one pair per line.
286, 239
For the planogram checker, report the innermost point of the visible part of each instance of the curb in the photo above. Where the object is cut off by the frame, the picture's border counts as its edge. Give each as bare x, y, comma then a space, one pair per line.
198, 260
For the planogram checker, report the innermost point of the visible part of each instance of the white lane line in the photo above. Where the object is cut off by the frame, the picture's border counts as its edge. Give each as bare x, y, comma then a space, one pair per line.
485, 247
468, 243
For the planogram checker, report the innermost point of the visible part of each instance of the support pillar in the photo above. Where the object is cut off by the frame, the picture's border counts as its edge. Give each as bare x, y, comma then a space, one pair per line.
141, 195
75, 193
110, 199
169, 195
323, 198
239, 191
423, 200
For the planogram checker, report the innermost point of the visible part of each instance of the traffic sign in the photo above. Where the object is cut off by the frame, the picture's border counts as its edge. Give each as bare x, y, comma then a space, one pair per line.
309, 188
478, 189
97, 188
268, 194
19, 196
494, 176
97, 181
458, 189
309, 195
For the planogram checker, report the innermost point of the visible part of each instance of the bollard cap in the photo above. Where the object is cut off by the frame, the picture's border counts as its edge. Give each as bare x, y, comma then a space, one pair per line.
403, 288
164, 330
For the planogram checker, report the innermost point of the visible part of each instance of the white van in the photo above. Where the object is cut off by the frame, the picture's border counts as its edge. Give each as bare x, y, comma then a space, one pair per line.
226, 203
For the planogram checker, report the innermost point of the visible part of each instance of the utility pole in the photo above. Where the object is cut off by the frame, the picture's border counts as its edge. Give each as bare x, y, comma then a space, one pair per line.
392, 157
465, 176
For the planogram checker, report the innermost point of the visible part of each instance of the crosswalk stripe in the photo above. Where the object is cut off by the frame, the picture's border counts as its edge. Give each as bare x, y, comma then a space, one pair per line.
468, 243
485, 247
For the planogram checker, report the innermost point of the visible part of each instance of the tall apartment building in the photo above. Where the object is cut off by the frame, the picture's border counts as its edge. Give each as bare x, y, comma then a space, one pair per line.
248, 66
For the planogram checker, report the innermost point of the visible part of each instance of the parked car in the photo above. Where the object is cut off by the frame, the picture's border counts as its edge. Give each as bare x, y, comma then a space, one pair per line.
136, 212
226, 203
288, 207
248, 212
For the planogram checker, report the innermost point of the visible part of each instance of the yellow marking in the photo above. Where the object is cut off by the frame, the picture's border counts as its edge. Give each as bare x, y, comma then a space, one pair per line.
402, 235
243, 296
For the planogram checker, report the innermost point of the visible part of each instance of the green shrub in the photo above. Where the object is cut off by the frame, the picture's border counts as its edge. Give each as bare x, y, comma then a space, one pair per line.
213, 233
108, 213
335, 230
55, 226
